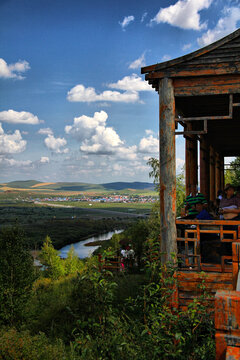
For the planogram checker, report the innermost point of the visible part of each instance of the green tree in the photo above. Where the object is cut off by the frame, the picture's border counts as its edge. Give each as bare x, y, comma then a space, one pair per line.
232, 175
50, 258
180, 183
72, 262
180, 190
16, 275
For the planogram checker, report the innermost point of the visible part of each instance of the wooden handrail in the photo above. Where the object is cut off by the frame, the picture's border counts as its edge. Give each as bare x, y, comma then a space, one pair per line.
191, 239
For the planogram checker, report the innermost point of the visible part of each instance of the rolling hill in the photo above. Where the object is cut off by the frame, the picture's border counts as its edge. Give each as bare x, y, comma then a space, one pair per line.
33, 185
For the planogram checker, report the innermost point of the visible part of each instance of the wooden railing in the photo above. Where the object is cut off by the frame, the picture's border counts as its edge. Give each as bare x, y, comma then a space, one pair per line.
206, 245
112, 263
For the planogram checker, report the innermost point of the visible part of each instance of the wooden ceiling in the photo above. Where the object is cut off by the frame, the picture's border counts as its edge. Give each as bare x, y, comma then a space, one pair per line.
204, 81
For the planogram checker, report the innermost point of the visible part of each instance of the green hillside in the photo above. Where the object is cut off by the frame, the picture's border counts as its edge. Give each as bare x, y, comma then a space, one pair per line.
72, 186
23, 184
32, 185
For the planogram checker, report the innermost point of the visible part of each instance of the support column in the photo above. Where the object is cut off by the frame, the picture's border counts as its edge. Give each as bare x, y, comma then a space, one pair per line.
167, 169
204, 167
217, 174
222, 171
212, 174
191, 162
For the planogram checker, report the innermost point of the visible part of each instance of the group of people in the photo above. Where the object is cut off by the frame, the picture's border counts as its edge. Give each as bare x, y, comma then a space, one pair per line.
227, 206
127, 257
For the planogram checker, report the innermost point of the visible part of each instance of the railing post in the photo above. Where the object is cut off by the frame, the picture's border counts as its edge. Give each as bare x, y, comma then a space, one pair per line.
100, 262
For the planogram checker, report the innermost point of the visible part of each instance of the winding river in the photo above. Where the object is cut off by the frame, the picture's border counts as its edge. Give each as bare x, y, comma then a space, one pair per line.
85, 251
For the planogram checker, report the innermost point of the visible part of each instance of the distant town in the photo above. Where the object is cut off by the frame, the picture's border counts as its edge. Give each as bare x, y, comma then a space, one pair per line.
115, 198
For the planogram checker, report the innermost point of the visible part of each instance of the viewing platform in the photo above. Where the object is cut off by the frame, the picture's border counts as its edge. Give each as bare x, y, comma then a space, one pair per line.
199, 98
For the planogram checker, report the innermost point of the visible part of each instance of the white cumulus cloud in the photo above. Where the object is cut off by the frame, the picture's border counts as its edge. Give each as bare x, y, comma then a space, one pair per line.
138, 62
126, 21
56, 145
186, 46
225, 25
85, 126
45, 131
132, 83
13, 71
183, 14
44, 160
15, 163
127, 153
149, 132
7, 162
104, 141
19, 117
144, 16
149, 145
81, 94
96, 138
11, 143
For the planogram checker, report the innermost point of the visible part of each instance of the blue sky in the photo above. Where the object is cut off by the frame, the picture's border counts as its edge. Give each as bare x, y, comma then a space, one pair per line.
73, 104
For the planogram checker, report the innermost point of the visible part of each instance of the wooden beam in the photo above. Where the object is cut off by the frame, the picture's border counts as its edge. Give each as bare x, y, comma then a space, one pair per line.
212, 85
194, 70
167, 170
204, 166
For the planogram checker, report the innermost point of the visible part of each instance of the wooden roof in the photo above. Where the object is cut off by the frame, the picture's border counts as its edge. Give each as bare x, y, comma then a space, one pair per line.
219, 58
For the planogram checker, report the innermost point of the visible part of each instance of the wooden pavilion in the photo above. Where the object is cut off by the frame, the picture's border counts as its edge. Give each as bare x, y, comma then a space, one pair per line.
200, 92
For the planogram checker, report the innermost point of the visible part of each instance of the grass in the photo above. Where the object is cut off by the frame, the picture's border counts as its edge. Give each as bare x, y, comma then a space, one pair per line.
137, 208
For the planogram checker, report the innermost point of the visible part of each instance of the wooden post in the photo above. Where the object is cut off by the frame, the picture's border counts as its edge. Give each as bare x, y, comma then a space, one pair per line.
217, 174
167, 169
204, 167
212, 174
191, 162
222, 171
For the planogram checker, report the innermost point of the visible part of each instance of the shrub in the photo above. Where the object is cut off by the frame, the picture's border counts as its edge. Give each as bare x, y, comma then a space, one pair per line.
146, 327
16, 345
48, 308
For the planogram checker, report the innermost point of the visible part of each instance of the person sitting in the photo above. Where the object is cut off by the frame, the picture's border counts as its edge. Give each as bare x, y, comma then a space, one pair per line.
203, 214
191, 201
230, 204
